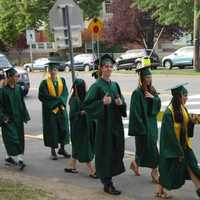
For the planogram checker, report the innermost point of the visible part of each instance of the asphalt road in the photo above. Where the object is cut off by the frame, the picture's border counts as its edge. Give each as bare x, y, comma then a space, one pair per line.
128, 82
134, 188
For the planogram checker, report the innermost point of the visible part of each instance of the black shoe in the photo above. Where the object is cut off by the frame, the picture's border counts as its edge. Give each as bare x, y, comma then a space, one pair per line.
54, 157
21, 165
64, 153
10, 162
111, 190
53, 154
198, 192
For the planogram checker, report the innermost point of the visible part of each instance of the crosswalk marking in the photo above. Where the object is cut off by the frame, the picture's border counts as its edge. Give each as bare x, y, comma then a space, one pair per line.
193, 100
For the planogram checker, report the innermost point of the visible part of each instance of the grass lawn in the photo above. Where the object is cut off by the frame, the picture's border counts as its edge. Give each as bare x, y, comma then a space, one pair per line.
17, 191
161, 71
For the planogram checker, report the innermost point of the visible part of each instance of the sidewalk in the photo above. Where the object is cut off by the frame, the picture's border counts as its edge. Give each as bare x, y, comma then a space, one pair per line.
41, 172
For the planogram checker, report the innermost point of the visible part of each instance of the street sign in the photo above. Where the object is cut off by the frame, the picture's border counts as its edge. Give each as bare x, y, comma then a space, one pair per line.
61, 39
96, 27
75, 13
30, 37
76, 23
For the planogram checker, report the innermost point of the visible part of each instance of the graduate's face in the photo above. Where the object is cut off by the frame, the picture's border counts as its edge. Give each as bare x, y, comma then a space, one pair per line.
106, 70
12, 80
53, 73
148, 80
184, 99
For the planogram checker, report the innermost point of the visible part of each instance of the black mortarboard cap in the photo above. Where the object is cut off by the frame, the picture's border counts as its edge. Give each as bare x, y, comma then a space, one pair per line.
52, 65
179, 89
105, 59
10, 72
144, 71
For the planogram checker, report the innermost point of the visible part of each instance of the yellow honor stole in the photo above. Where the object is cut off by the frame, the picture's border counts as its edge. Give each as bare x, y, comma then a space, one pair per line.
177, 126
53, 93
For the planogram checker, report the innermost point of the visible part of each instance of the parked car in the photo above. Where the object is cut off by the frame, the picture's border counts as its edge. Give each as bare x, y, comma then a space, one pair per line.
23, 81
133, 59
82, 62
181, 58
4, 62
42, 64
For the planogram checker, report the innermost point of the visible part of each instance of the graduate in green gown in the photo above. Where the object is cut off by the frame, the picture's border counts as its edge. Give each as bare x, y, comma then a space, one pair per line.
53, 94
13, 114
105, 103
177, 160
144, 107
80, 130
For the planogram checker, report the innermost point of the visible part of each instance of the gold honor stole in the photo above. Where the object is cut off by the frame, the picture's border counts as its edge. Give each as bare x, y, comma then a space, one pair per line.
177, 126
52, 91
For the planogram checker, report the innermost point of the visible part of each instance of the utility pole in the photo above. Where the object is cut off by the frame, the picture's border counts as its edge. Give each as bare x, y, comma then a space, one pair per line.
196, 62
68, 40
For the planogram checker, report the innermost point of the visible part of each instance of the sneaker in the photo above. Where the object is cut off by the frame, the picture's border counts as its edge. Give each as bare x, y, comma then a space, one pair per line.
198, 192
21, 165
10, 162
64, 153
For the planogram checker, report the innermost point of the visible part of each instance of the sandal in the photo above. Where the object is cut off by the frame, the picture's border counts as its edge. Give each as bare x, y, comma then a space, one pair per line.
94, 176
155, 179
68, 170
158, 194
163, 195
135, 168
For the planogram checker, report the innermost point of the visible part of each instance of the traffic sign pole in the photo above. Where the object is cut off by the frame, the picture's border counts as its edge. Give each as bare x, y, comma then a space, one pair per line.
31, 52
67, 34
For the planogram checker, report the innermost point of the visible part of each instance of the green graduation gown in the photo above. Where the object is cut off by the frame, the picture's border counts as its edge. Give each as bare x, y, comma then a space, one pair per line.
109, 138
12, 106
143, 125
80, 132
55, 126
174, 159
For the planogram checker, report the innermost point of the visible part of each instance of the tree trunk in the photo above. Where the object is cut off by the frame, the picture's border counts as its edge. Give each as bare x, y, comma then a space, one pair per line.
196, 62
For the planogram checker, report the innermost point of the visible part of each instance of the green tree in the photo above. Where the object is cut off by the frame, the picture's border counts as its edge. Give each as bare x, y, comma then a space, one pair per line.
91, 8
16, 16
170, 12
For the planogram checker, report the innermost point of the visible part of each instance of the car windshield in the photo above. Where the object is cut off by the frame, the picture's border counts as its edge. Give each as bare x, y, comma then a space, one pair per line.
185, 50
41, 61
4, 63
135, 52
83, 57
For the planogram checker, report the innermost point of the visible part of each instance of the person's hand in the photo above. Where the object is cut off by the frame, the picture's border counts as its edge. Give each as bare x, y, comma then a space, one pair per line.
195, 118
148, 94
107, 99
82, 112
6, 120
118, 101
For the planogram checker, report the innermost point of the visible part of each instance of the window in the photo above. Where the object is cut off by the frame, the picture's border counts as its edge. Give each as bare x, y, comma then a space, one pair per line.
40, 45
108, 6
49, 45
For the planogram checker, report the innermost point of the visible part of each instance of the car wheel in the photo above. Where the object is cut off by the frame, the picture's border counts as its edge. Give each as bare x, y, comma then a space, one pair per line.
153, 67
168, 64
67, 69
87, 68
28, 69
115, 67
138, 65
181, 67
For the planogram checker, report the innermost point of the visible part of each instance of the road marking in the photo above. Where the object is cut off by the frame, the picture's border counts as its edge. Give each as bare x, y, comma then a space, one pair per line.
160, 115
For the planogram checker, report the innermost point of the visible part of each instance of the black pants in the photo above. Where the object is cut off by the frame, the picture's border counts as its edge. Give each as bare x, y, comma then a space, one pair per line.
107, 181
